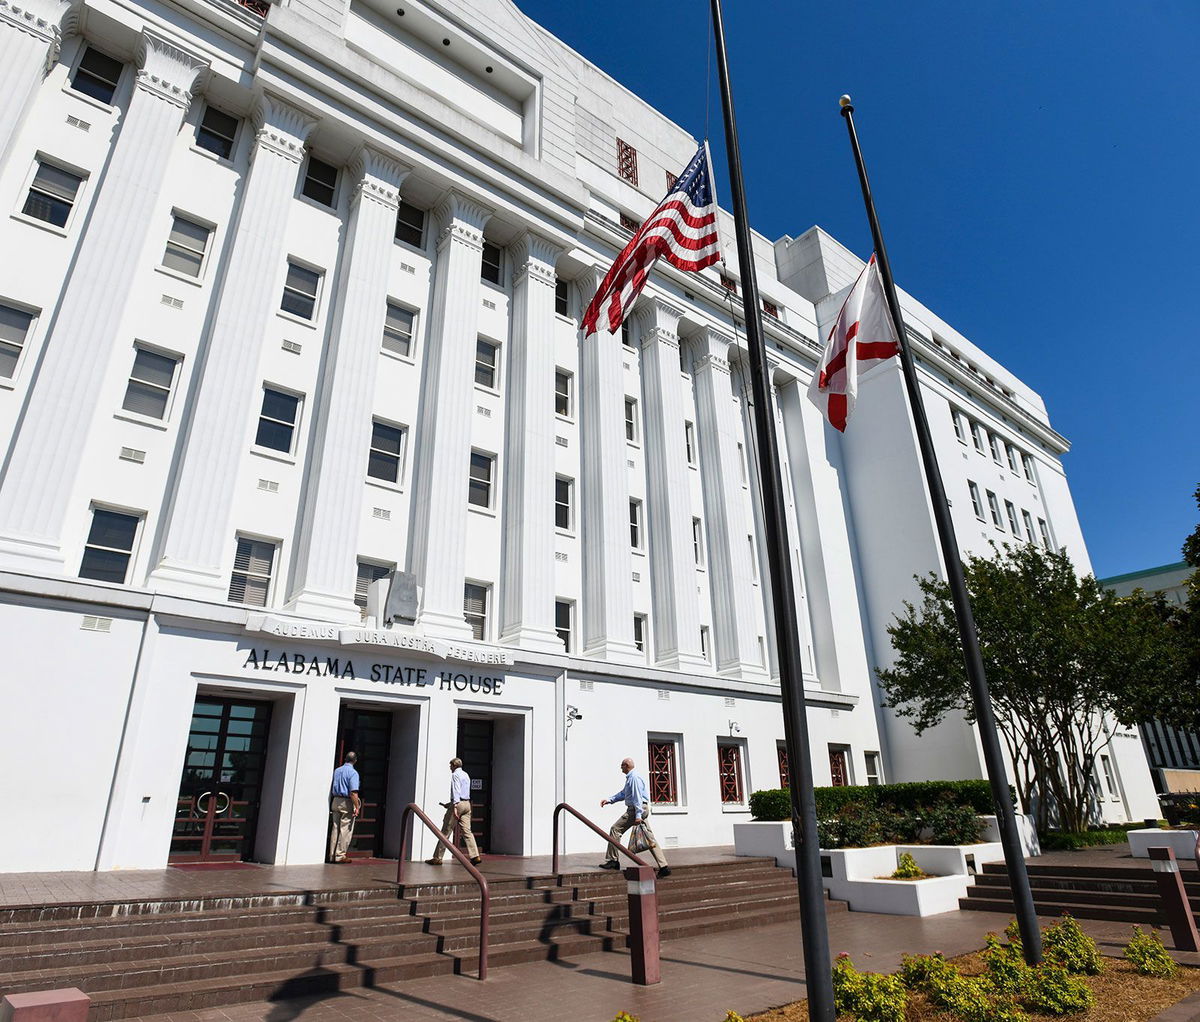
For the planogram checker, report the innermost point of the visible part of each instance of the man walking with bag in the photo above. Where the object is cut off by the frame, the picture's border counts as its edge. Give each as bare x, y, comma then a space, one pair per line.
636, 797
457, 809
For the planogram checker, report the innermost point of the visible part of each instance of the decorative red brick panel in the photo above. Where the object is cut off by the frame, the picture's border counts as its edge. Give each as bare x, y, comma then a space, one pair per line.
629, 223
771, 309
729, 763
663, 787
785, 775
627, 162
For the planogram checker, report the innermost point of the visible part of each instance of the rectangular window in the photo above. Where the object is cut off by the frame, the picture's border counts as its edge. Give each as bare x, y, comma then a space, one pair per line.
975, 501
109, 546
563, 511
252, 567
1027, 518
1045, 534
277, 422
771, 309
839, 767
52, 194
1013, 526
626, 337
705, 643
410, 224
320, 181
1012, 459
958, 425
631, 431
742, 463
216, 132
398, 330
627, 168
300, 291
1027, 463
368, 572
729, 284
994, 506
149, 389
635, 524
976, 435
563, 404
490, 266
486, 364
994, 441
475, 607
874, 771
386, 456
729, 767
97, 75
689, 443
785, 773
641, 629
186, 245
753, 554
561, 296
663, 773
698, 542
479, 491
562, 622
1110, 780
15, 325
629, 223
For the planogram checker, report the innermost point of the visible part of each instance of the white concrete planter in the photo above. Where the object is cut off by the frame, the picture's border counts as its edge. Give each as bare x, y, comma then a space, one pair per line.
1025, 826
1182, 842
772, 837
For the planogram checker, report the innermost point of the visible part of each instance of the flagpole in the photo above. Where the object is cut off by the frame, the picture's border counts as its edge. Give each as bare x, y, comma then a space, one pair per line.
818, 974
1018, 876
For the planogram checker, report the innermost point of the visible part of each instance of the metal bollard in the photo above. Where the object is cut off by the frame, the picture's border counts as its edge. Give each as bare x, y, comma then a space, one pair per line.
643, 925
1176, 906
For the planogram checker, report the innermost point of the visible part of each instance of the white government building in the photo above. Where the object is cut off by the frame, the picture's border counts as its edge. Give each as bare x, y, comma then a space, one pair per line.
290, 298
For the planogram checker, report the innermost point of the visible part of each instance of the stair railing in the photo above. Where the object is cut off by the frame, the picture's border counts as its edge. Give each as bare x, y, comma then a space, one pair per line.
558, 809
485, 900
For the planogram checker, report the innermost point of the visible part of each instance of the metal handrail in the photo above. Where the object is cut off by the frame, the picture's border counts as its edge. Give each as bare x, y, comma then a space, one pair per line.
584, 820
485, 899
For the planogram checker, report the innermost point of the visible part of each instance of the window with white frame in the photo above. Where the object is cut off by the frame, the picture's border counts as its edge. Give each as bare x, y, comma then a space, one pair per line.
1045, 530
752, 553
253, 566
689, 442
150, 383
994, 443
729, 772
278, 420
741, 448
301, 290
320, 181
976, 502
479, 489
15, 325
217, 132
994, 506
976, 435
187, 245
368, 572
1012, 459
564, 403
564, 612
641, 633
385, 460
631, 423
1013, 525
475, 608
1027, 518
97, 75
562, 303
490, 265
698, 542
959, 432
564, 511
1027, 464
663, 775
410, 224
626, 336
109, 547
398, 330
487, 364
706, 643
635, 524
1110, 778
52, 194
874, 768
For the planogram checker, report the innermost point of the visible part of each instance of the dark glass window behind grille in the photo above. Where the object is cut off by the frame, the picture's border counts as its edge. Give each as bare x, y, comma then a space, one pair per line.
627, 162
663, 787
785, 775
729, 765
97, 75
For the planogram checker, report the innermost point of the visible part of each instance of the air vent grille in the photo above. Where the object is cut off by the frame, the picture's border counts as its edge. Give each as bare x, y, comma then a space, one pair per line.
382, 513
91, 623
269, 485
174, 303
292, 346
75, 122
130, 454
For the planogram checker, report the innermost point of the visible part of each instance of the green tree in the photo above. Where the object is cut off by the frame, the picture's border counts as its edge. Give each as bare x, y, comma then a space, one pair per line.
1191, 545
1065, 660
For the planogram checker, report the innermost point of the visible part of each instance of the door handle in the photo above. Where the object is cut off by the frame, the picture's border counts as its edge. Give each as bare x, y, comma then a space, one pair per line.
203, 811
228, 802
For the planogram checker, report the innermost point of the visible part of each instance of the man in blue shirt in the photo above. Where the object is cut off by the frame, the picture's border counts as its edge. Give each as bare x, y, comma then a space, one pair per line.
344, 806
636, 797
458, 809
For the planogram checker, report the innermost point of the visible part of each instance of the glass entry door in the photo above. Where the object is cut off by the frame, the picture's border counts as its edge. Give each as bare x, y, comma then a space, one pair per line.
475, 739
219, 793
368, 733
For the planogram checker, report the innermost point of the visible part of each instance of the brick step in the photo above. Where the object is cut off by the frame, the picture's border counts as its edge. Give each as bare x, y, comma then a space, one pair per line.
1085, 896
1044, 907
1144, 874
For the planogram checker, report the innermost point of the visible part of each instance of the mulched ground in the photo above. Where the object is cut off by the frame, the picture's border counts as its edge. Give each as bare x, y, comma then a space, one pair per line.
1121, 996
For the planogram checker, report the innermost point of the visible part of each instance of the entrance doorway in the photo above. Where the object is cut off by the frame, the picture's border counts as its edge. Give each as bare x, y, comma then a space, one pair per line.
221, 788
475, 741
369, 734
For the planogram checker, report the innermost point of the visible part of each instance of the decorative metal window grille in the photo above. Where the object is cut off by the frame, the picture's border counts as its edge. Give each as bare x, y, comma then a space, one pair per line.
785, 775
729, 765
663, 773
627, 162
771, 309
671, 179
629, 223
838, 773
729, 284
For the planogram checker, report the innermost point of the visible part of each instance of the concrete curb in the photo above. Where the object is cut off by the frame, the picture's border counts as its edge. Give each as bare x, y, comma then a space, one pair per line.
1187, 1010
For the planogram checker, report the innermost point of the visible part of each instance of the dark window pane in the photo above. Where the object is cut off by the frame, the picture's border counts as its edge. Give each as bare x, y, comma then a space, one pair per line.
217, 132
410, 224
97, 75
145, 400
320, 181
490, 270
274, 435
383, 466
277, 405
112, 529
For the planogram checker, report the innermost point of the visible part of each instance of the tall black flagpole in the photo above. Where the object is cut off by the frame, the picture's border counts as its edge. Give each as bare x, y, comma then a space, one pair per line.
1018, 876
818, 975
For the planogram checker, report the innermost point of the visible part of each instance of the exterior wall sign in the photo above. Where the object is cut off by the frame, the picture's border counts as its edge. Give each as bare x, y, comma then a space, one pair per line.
445, 679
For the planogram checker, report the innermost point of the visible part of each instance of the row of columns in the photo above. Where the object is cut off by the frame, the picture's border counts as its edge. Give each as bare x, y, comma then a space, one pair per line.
196, 530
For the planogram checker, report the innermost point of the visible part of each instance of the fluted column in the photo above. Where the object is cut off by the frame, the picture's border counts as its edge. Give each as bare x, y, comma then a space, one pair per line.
607, 596
669, 505
527, 572
196, 532
31, 34
437, 551
730, 576
34, 501
327, 541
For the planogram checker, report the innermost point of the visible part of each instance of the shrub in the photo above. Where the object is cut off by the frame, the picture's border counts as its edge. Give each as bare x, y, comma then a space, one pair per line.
1146, 953
1065, 942
624, 1016
969, 998
1062, 841
954, 824
1052, 990
921, 972
867, 996
771, 804
776, 803
1005, 964
907, 868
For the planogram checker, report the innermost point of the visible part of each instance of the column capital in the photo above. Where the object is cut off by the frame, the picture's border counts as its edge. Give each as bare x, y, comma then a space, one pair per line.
659, 321
166, 70
712, 349
462, 219
46, 20
534, 256
281, 127
377, 177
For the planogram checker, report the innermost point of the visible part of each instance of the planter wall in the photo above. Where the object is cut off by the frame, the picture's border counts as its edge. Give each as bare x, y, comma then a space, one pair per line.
1183, 842
1025, 827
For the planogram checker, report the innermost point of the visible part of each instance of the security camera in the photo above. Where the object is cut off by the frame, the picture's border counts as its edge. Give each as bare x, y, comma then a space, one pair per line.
573, 713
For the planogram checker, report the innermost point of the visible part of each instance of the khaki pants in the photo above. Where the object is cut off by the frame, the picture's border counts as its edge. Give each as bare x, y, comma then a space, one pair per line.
462, 812
623, 824
341, 829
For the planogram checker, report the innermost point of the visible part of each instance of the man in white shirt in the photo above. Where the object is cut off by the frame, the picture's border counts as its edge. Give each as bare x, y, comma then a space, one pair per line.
636, 796
457, 809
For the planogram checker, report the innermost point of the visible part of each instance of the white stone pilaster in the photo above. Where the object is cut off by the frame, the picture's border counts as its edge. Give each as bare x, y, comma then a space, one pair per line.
527, 561
31, 34
607, 596
34, 501
668, 499
436, 549
196, 531
718, 426
327, 541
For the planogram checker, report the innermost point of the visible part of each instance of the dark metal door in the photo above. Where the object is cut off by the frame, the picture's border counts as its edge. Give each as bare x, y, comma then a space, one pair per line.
219, 793
475, 750
369, 734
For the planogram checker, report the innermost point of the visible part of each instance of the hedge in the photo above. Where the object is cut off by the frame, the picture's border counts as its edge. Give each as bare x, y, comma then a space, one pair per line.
776, 803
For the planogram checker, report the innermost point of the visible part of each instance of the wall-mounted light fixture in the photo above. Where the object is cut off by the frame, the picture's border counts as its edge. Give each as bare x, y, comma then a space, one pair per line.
573, 715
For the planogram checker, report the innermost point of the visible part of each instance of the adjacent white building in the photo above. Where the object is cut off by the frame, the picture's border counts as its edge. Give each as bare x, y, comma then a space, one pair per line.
290, 301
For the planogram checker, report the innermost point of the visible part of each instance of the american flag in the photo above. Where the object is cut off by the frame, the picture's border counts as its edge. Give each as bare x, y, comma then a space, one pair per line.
682, 230
862, 337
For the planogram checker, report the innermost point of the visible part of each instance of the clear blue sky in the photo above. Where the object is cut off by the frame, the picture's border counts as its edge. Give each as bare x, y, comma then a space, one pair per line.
1036, 170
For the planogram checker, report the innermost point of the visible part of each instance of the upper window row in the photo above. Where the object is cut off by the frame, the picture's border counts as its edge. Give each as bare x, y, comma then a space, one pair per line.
985, 441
